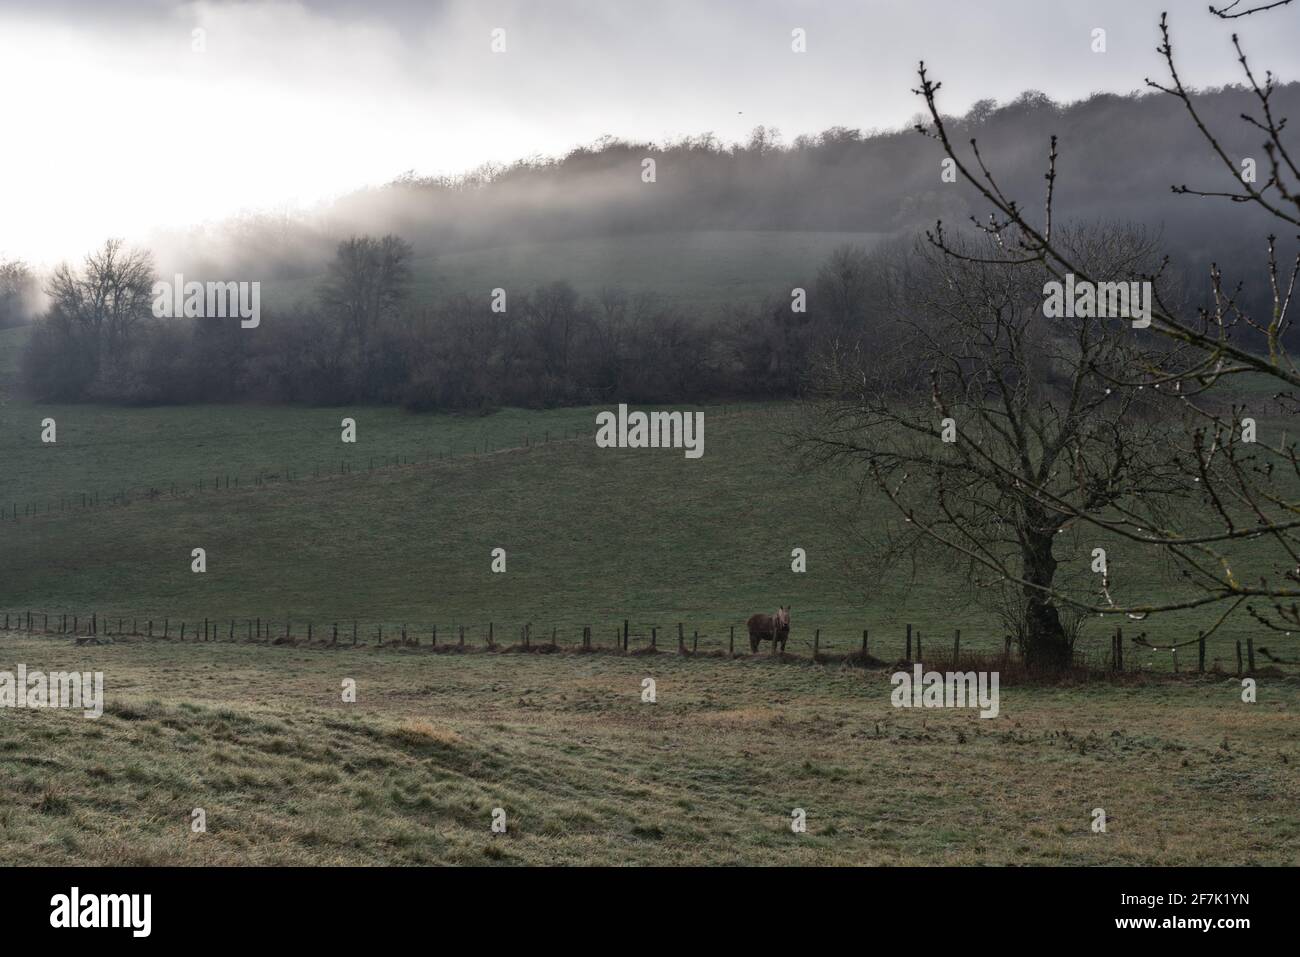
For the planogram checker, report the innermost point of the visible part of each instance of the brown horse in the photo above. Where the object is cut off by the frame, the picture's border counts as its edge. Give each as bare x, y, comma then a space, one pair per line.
774, 628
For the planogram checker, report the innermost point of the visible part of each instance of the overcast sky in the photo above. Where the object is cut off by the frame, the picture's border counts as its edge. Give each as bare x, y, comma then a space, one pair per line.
114, 123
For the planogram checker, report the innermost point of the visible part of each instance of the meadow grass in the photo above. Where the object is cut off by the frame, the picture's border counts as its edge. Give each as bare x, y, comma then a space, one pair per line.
588, 773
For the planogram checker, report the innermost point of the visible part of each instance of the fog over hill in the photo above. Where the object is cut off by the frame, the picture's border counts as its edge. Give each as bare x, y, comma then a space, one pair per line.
1119, 156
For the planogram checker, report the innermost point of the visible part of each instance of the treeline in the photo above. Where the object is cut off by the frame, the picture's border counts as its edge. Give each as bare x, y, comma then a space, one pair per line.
364, 341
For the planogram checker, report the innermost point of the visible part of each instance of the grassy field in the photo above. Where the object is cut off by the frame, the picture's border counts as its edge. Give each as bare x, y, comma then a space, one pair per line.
693, 269
259, 738
397, 531
313, 534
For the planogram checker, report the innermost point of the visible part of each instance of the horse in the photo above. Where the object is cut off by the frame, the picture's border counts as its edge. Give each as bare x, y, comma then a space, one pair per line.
774, 628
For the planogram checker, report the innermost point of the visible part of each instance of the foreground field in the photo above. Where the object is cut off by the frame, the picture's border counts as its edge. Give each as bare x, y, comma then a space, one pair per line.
286, 772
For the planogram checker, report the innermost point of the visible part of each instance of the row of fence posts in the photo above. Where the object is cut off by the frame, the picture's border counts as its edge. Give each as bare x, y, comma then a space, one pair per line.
622, 636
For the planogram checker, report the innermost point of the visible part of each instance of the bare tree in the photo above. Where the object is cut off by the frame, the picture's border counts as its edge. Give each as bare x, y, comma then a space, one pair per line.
18, 289
368, 279
991, 429
107, 299
1243, 546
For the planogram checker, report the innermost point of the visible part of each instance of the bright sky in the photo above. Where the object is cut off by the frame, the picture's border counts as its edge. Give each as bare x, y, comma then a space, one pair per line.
114, 123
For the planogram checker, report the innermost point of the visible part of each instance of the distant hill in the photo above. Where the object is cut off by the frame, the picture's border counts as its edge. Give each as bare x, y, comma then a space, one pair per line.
566, 217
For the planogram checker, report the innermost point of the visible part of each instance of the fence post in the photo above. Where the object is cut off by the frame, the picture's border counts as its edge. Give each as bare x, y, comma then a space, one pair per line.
1238, 657
817, 643
434, 636
864, 642
354, 631
491, 636
731, 641
150, 627
232, 629
625, 634
918, 646
695, 641
956, 647
1250, 654
182, 631
909, 643
1200, 652
654, 637
462, 636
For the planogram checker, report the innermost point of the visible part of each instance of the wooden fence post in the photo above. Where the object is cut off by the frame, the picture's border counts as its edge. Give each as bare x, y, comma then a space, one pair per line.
681, 639
817, 642
654, 637
462, 636
1250, 654
731, 641
1238, 657
918, 646
864, 642
625, 634
909, 643
695, 641
1200, 652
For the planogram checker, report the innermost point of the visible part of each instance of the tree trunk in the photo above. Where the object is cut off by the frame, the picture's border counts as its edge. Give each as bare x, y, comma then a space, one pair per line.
1046, 646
